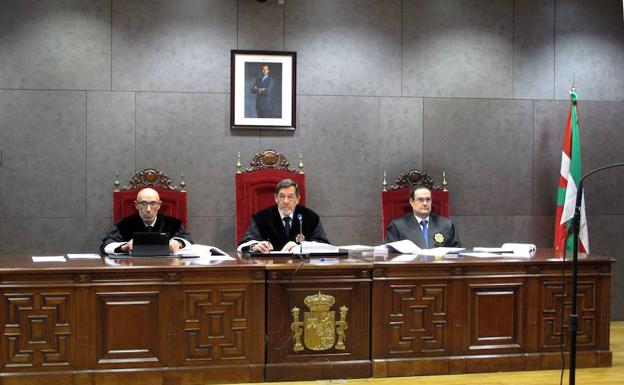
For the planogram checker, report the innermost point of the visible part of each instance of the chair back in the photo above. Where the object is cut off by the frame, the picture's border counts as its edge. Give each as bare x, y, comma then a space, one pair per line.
174, 198
255, 186
395, 199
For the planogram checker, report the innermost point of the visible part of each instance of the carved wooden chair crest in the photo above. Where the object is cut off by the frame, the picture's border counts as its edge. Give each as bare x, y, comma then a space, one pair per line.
255, 185
174, 198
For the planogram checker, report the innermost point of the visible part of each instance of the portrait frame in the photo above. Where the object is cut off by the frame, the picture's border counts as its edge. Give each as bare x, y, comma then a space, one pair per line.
263, 89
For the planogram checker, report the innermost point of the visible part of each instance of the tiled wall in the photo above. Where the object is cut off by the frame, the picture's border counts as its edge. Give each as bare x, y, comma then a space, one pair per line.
474, 87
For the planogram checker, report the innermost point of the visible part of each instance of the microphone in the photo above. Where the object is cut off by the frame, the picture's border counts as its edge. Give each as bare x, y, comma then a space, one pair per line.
300, 237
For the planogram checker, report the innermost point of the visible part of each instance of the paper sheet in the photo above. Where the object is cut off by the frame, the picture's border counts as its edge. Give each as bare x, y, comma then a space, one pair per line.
48, 258
83, 256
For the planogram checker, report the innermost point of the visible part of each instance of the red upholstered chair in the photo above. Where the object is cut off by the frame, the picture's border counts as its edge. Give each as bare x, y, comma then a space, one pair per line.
173, 197
255, 186
395, 199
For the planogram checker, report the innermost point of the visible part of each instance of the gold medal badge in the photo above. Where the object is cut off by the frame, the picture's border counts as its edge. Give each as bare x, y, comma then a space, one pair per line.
438, 238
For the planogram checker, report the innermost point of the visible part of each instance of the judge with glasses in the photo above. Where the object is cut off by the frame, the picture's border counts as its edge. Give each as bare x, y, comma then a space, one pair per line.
118, 239
421, 227
284, 225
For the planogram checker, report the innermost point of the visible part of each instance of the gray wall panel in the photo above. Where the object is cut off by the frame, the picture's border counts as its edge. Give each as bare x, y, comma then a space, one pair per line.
535, 229
214, 231
186, 132
590, 47
350, 47
549, 123
55, 45
42, 135
401, 135
260, 25
51, 236
16, 236
110, 147
360, 230
65, 239
534, 49
484, 231
458, 48
485, 146
338, 136
173, 46
602, 143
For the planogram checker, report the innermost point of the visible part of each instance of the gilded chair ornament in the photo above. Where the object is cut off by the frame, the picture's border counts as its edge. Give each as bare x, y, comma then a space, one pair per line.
149, 177
269, 159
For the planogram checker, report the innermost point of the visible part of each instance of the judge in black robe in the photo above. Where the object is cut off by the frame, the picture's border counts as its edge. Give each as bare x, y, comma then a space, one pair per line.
118, 239
278, 227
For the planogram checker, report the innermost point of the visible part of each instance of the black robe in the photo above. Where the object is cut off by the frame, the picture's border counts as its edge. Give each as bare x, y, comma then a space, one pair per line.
123, 230
267, 225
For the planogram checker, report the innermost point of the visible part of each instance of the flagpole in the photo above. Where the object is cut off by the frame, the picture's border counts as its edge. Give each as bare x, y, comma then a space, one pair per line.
575, 229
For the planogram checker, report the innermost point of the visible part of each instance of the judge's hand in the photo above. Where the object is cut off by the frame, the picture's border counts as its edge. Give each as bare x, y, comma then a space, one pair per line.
290, 246
174, 245
262, 247
126, 247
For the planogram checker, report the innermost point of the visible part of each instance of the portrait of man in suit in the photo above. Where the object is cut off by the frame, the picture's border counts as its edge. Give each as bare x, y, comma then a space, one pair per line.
420, 226
263, 88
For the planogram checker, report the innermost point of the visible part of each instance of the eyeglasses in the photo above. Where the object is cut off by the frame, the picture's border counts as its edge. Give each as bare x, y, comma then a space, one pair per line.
290, 197
423, 200
144, 204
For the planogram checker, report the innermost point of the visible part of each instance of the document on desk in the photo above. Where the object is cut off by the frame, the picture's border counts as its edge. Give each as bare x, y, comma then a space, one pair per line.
317, 247
436, 251
83, 256
405, 258
481, 255
405, 246
203, 252
514, 250
48, 258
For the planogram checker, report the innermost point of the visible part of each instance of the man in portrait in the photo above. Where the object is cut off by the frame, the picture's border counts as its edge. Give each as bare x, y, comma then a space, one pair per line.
263, 88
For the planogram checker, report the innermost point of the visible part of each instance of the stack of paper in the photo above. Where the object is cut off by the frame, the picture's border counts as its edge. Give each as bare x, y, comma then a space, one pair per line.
316, 247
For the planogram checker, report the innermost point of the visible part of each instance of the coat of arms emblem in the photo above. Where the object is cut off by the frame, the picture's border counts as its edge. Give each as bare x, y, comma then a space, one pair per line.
319, 325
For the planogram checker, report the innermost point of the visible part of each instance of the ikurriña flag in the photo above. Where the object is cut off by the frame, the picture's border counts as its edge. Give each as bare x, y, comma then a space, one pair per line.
569, 178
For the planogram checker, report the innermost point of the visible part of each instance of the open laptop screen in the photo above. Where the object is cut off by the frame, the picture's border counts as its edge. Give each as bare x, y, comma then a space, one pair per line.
150, 244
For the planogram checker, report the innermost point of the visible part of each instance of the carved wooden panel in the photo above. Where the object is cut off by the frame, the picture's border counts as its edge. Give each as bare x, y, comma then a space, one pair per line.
418, 319
128, 327
551, 321
37, 329
495, 317
215, 324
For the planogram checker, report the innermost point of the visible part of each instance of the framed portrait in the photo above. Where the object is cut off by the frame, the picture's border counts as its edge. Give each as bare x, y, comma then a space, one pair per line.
263, 89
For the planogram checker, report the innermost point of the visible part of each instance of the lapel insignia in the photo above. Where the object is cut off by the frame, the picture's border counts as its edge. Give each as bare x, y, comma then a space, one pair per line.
438, 238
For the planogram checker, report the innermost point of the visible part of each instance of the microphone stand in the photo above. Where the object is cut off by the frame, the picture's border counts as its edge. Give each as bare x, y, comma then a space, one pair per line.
300, 237
576, 221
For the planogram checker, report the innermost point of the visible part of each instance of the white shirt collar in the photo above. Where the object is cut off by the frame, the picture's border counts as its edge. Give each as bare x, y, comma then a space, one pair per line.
420, 220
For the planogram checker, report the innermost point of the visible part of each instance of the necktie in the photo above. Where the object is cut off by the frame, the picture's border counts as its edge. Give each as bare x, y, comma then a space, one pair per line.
425, 231
149, 229
287, 226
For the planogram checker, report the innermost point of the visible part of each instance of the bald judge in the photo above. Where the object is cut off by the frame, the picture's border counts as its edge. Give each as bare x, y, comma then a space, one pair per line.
118, 239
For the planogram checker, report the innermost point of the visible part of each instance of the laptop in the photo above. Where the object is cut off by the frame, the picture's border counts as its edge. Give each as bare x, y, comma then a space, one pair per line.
150, 244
